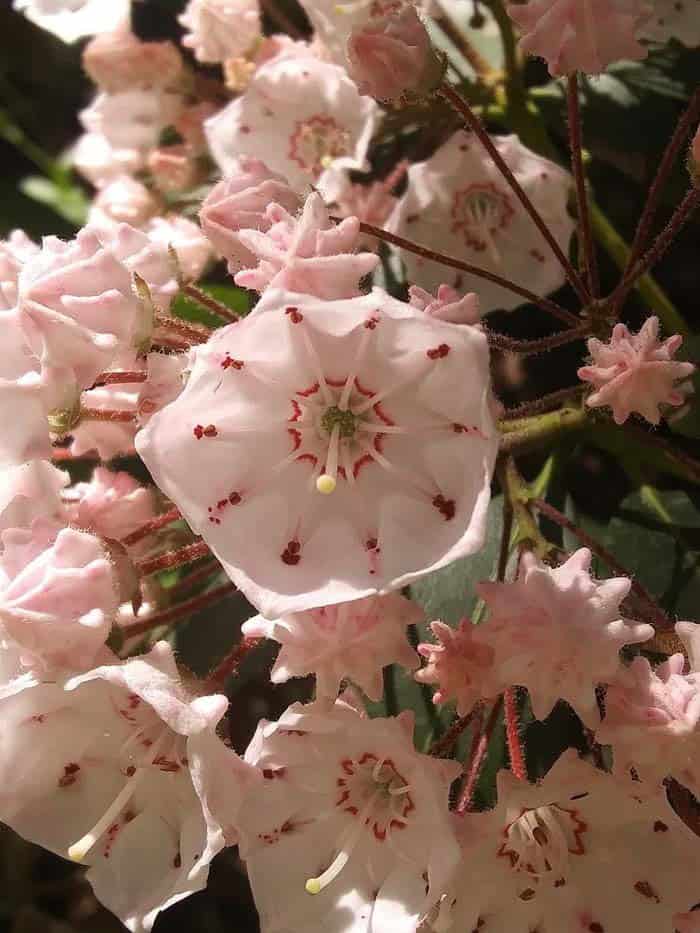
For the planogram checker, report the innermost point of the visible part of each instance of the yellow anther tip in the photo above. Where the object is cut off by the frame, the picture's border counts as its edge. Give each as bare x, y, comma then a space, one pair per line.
313, 886
325, 484
77, 852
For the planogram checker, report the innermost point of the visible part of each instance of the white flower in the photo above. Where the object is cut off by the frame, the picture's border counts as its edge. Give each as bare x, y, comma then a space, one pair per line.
350, 814
302, 117
458, 203
73, 19
330, 450
220, 29
132, 119
193, 249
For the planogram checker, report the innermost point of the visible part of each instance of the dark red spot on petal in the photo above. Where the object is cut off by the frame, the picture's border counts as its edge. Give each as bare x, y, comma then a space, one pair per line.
438, 353
294, 314
446, 507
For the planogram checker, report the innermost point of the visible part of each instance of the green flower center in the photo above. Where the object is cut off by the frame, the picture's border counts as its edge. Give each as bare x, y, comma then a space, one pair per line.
345, 420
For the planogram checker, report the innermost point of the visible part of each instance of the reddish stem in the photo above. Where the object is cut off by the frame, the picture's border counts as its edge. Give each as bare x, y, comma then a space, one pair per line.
180, 611
106, 414
680, 217
545, 403
171, 559
475, 124
153, 524
209, 568
680, 134
444, 745
541, 345
477, 756
230, 664
188, 332
657, 614
515, 750
63, 455
588, 260
119, 378
209, 302
451, 262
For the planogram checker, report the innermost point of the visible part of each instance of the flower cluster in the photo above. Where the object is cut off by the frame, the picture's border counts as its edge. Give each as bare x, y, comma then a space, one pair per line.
283, 308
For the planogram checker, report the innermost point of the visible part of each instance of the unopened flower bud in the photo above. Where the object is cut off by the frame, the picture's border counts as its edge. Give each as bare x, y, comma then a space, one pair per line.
391, 57
119, 61
172, 168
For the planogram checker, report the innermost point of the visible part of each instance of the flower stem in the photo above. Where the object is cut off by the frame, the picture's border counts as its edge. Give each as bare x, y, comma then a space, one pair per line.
475, 124
178, 612
210, 303
681, 216
587, 260
152, 525
187, 332
172, 559
230, 664
668, 160
524, 434
515, 750
656, 614
119, 378
106, 414
650, 291
544, 404
451, 262
477, 756
443, 746
540, 345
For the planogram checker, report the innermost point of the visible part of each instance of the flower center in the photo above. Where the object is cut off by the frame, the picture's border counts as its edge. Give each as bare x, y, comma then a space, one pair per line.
539, 842
345, 420
372, 791
480, 212
316, 142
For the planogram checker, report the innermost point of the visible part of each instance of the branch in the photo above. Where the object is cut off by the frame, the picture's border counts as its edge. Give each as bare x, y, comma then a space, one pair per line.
178, 612
585, 232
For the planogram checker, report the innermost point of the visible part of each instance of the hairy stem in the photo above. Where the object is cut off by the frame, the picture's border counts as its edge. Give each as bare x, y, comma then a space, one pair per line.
119, 378
515, 749
106, 414
543, 404
178, 612
152, 525
477, 757
172, 559
443, 746
210, 303
541, 344
186, 332
588, 261
451, 262
231, 663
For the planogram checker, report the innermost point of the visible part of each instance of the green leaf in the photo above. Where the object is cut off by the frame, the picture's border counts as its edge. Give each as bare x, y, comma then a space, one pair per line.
663, 553
66, 199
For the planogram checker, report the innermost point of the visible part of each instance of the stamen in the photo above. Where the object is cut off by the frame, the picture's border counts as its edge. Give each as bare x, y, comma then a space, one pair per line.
327, 482
316, 885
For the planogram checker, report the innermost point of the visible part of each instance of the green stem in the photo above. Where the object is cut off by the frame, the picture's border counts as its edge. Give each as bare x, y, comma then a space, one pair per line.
516, 491
649, 290
15, 136
521, 434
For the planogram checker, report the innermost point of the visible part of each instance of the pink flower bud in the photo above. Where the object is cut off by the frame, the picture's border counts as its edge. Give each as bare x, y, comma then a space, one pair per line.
447, 305
119, 61
124, 200
239, 202
391, 57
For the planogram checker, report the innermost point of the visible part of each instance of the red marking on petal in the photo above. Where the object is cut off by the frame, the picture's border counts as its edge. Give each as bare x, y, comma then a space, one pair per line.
357, 466
291, 554
234, 498
296, 438
310, 391
381, 414
294, 314
229, 362
371, 323
296, 408
310, 457
446, 507
438, 353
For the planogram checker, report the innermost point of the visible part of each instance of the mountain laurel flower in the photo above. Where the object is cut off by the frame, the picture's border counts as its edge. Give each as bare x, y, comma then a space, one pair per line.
458, 203
392, 58
354, 640
111, 505
636, 372
73, 19
220, 29
563, 618
579, 850
581, 35
460, 665
652, 718
58, 595
304, 117
173, 169
120, 768
184, 237
133, 119
447, 304
15, 251
330, 450
166, 374
118, 61
239, 201
350, 814
97, 160
309, 254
